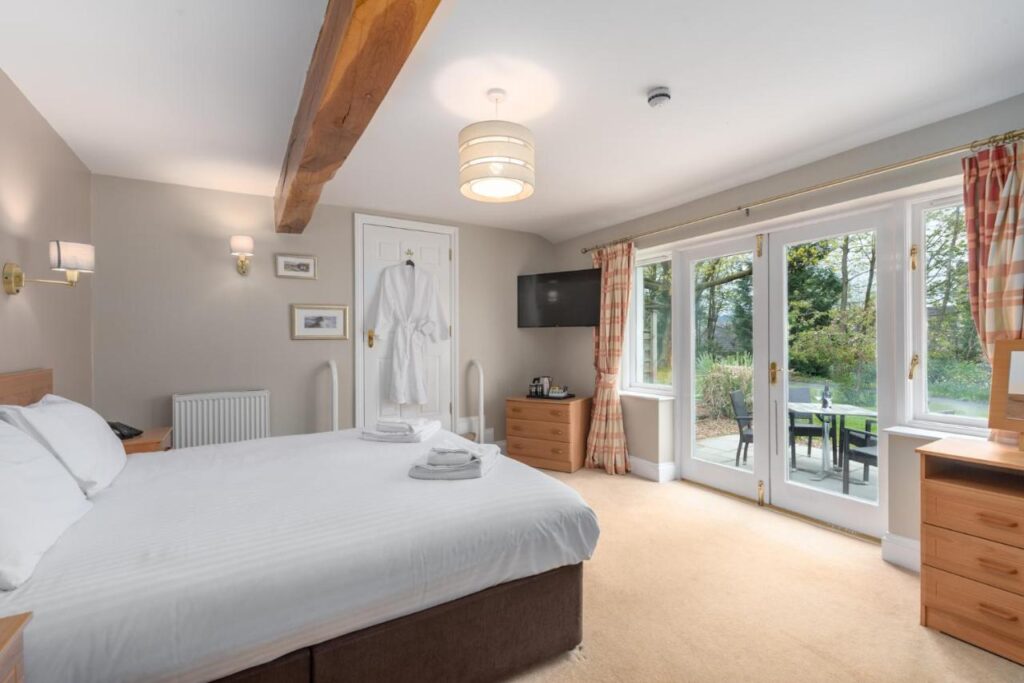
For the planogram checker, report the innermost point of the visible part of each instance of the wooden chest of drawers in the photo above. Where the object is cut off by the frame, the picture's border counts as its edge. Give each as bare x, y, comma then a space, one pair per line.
547, 433
11, 647
972, 543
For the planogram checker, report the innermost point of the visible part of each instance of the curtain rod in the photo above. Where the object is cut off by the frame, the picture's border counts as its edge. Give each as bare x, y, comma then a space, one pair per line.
1005, 138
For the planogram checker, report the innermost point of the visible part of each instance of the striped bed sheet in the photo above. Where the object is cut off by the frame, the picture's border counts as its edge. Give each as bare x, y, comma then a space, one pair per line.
201, 562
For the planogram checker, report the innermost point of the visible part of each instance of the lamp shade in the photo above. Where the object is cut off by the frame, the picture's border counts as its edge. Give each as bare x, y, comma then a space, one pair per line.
242, 245
72, 256
496, 161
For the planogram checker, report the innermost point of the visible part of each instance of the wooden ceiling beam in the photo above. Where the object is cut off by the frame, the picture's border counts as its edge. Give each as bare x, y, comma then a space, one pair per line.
361, 48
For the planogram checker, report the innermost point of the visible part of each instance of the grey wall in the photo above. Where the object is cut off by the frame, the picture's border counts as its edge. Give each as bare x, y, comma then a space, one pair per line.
575, 361
44, 195
172, 315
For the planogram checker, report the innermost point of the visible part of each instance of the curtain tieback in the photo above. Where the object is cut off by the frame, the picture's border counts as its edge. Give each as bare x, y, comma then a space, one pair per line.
607, 380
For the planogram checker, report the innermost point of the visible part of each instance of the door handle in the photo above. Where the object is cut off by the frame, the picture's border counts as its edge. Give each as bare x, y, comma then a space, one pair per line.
370, 336
773, 373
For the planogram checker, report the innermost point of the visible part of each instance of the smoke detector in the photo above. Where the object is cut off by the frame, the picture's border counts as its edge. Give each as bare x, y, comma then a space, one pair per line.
659, 96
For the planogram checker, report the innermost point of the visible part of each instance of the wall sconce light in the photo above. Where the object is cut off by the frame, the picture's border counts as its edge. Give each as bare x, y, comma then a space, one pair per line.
242, 247
71, 258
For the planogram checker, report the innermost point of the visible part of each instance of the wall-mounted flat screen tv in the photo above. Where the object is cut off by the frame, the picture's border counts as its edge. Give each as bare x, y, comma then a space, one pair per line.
571, 298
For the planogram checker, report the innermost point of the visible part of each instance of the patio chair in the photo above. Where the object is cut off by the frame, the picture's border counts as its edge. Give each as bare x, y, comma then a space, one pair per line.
801, 424
744, 422
859, 445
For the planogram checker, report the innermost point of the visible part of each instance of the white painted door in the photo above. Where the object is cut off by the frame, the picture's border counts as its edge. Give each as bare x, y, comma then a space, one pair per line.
833, 284
723, 434
384, 244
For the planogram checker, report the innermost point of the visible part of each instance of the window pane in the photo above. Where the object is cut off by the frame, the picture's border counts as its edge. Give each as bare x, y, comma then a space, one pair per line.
656, 335
959, 376
723, 361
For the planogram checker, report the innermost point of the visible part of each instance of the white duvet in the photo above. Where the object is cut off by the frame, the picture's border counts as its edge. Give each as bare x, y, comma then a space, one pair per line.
200, 562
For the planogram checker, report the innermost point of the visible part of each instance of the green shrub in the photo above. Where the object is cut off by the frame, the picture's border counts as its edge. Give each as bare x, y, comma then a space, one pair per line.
959, 379
717, 377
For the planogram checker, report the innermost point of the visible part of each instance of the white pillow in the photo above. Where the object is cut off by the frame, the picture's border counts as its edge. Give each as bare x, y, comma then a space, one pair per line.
76, 434
38, 501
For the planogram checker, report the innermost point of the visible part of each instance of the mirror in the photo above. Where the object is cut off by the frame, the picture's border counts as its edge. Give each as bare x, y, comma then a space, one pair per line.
1015, 387
1006, 402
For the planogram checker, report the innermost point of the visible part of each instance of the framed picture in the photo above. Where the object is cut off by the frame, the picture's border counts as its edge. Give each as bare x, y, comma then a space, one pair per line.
316, 321
296, 266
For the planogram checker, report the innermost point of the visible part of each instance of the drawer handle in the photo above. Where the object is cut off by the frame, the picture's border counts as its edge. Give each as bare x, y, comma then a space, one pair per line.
991, 610
517, 428
996, 566
516, 410
557, 451
556, 413
993, 520
557, 432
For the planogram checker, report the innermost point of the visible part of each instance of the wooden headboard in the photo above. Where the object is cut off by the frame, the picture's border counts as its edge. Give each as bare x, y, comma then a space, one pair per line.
25, 387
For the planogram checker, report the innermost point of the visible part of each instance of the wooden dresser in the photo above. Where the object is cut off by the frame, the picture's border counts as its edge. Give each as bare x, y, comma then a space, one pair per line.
11, 647
972, 543
548, 433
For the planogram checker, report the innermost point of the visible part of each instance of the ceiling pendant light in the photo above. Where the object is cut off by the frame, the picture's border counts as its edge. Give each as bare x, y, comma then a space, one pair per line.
496, 158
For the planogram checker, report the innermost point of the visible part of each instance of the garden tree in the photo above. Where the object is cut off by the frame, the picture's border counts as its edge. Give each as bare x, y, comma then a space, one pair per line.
716, 292
814, 289
657, 284
957, 367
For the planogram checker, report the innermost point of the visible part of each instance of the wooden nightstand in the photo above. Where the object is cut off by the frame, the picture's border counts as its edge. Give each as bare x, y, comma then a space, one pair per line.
12, 670
548, 433
151, 440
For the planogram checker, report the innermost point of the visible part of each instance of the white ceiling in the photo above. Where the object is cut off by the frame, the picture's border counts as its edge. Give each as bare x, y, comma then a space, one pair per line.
202, 92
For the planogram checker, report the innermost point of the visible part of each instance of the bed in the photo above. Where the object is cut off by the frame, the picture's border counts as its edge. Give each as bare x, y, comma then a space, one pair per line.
303, 558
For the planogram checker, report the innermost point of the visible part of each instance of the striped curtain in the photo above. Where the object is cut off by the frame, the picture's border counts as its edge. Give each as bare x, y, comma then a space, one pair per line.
606, 445
995, 243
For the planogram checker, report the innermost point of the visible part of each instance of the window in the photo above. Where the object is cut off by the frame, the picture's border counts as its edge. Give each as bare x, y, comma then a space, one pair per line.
952, 382
652, 321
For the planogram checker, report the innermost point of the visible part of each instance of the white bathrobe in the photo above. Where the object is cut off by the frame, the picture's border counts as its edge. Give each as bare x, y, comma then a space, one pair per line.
409, 316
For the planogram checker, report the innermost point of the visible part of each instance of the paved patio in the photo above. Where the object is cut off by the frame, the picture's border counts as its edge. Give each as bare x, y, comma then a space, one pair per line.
722, 450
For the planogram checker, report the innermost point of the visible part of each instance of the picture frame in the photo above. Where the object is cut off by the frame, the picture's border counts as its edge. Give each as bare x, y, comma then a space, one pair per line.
319, 321
296, 266
1006, 402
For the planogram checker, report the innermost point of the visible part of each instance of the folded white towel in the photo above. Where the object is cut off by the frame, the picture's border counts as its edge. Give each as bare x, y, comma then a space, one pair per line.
401, 425
481, 459
447, 458
393, 437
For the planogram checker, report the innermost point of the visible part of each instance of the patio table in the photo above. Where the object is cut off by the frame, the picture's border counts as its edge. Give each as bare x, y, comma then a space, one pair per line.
840, 410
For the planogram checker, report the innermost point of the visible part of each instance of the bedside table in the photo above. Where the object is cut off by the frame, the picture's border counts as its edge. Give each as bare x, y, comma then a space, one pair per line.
151, 440
11, 668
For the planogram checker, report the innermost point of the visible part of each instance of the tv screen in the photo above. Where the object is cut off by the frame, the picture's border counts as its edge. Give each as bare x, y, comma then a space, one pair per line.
568, 299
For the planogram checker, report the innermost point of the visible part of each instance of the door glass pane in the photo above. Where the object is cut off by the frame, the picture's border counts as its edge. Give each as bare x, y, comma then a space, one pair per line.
832, 288
959, 375
723, 372
656, 333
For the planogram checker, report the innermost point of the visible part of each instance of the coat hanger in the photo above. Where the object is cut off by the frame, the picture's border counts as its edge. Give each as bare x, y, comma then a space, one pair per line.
409, 261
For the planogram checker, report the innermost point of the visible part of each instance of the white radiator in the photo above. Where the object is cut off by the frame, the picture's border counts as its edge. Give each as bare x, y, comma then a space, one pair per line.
220, 417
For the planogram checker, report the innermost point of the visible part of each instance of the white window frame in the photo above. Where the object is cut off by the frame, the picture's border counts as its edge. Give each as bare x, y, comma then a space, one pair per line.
919, 414
635, 343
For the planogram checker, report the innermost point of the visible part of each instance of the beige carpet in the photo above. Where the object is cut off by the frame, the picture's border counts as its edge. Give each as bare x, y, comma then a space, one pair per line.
690, 585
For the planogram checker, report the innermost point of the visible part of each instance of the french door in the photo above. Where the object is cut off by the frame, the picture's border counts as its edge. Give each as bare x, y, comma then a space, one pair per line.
783, 391
724, 440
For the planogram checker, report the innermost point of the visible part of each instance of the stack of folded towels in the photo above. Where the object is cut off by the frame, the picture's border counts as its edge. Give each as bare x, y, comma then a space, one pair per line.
453, 461
398, 430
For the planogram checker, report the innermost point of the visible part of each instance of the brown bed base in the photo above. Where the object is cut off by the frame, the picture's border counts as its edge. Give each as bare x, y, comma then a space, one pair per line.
485, 636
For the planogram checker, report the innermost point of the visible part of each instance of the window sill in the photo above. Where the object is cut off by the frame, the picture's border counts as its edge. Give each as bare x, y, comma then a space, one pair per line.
937, 431
647, 394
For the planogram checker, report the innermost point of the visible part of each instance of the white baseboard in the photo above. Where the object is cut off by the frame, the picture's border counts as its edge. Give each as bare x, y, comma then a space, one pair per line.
902, 551
659, 472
